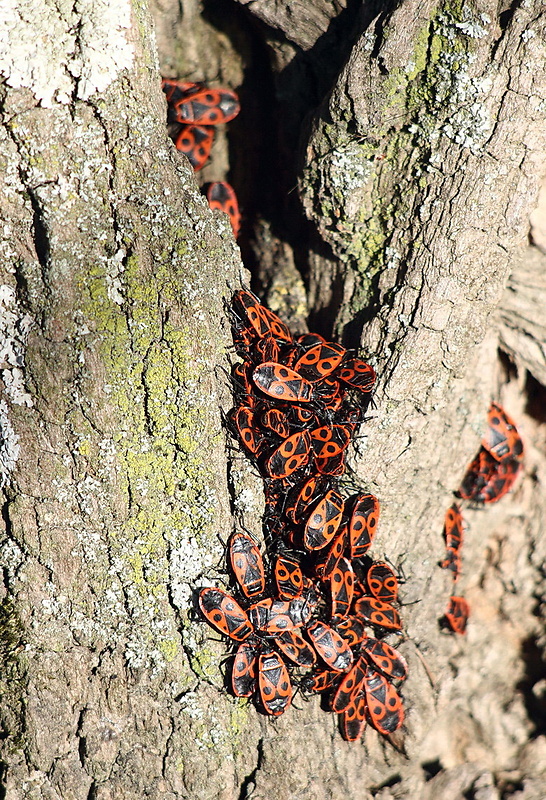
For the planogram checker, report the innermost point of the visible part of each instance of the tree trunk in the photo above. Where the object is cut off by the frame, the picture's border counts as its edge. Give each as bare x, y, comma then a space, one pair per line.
415, 134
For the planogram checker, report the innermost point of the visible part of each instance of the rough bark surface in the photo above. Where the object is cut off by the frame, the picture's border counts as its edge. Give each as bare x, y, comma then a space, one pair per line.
521, 317
423, 143
113, 457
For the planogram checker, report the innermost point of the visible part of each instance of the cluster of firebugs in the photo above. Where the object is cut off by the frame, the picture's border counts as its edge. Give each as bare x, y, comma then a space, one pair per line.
193, 112
301, 616
489, 476
315, 612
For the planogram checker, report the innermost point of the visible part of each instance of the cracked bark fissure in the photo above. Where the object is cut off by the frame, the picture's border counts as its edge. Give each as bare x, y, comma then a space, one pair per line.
116, 498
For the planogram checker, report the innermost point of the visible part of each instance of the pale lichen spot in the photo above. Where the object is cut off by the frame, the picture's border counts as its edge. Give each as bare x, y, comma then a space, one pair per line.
86, 56
9, 445
15, 326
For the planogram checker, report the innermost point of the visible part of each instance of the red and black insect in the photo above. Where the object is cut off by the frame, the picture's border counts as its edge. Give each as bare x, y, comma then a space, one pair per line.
457, 613
225, 614
302, 496
383, 703
266, 349
453, 533
329, 394
486, 479
294, 647
244, 670
323, 521
319, 360
494, 470
477, 474
349, 687
244, 339
329, 560
243, 388
282, 383
330, 646
331, 466
276, 421
364, 516
179, 90
353, 719
307, 340
500, 481
292, 454
247, 564
382, 581
274, 683
501, 439
329, 440
352, 630
221, 197
204, 106
372, 611
264, 321
342, 581
320, 681
302, 417
385, 658
288, 577
244, 423
195, 141
272, 616
357, 374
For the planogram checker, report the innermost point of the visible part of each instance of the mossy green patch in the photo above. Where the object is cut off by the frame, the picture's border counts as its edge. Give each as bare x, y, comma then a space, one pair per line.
239, 716
13, 674
205, 663
148, 333
169, 648
84, 447
420, 54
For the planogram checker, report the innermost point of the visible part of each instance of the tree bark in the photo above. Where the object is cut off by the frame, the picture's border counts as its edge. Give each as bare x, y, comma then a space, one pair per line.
113, 460
421, 153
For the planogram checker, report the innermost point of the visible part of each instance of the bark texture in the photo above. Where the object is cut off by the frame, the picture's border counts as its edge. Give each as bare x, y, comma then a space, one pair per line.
415, 133
113, 457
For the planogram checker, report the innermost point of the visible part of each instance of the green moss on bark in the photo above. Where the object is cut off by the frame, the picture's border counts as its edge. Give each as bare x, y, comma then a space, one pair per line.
364, 185
13, 677
160, 421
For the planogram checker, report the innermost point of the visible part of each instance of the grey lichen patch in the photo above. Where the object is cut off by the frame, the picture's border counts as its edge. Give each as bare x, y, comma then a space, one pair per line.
75, 57
14, 328
209, 728
9, 445
443, 97
349, 207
